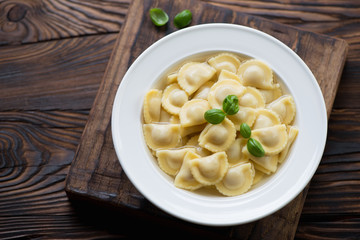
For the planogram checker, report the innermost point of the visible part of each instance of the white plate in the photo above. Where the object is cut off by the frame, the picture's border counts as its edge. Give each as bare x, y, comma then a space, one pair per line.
283, 186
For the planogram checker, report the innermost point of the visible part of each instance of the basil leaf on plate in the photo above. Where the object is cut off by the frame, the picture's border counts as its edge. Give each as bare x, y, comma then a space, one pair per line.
231, 104
214, 116
255, 148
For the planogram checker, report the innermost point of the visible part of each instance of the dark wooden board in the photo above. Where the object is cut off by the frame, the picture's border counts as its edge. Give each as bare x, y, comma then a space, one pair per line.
58, 74
96, 174
24, 21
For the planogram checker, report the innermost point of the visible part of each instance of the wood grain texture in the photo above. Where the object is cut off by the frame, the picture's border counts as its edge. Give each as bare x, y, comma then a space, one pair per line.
36, 151
335, 18
44, 211
23, 21
55, 74
95, 172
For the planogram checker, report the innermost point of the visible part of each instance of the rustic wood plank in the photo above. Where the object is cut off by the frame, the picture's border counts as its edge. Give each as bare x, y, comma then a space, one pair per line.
95, 157
329, 228
33, 203
55, 74
344, 132
331, 17
37, 148
23, 21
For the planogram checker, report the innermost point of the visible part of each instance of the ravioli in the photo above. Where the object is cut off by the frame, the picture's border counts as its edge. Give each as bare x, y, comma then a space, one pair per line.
273, 139
203, 91
194, 142
292, 134
256, 73
237, 180
266, 118
271, 94
170, 160
220, 90
194, 74
211, 169
284, 107
234, 152
192, 112
268, 162
225, 74
252, 98
219, 137
174, 98
171, 78
158, 136
184, 178
244, 115
225, 61
152, 106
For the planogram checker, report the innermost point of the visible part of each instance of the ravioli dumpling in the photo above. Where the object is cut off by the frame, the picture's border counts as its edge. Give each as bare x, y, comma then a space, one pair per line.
225, 61
234, 152
152, 106
267, 162
219, 137
292, 134
174, 98
252, 98
171, 78
244, 115
170, 160
284, 107
225, 74
255, 73
271, 94
273, 139
237, 180
158, 136
220, 90
184, 179
194, 142
259, 168
210, 169
186, 131
194, 74
165, 116
259, 175
266, 118
203, 91
192, 113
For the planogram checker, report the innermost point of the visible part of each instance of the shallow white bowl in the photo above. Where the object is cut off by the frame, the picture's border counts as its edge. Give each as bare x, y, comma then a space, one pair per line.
197, 207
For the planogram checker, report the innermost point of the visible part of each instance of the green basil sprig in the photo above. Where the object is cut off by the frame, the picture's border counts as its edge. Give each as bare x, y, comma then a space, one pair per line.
158, 17
254, 147
230, 107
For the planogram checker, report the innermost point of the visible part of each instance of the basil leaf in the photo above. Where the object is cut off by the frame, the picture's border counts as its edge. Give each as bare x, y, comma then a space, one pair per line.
158, 17
183, 19
255, 148
214, 116
231, 104
245, 130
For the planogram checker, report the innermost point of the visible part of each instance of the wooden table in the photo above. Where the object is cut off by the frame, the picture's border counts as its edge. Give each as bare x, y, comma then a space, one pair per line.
53, 56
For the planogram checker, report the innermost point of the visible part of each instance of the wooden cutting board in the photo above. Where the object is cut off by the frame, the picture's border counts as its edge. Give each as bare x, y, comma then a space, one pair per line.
96, 174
